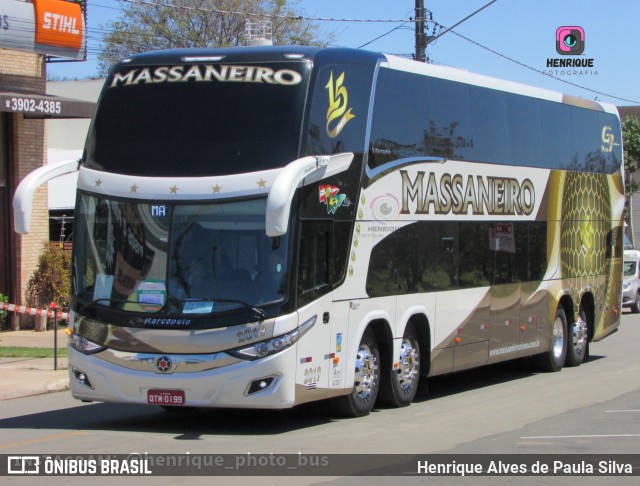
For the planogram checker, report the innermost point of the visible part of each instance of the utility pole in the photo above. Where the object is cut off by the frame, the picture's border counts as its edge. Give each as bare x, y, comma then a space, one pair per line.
420, 39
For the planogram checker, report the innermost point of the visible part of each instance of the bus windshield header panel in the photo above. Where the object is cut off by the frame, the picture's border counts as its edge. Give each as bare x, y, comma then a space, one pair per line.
193, 120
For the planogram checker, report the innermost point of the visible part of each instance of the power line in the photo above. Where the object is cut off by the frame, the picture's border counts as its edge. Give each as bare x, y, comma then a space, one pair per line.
459, 22
97, 34
383, 35
541, 72
257, 14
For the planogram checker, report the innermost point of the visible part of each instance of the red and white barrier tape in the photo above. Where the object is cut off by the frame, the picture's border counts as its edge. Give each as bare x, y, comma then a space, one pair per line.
32, 311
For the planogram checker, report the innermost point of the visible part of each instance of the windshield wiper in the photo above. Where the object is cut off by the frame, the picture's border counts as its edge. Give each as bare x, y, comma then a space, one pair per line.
259, 313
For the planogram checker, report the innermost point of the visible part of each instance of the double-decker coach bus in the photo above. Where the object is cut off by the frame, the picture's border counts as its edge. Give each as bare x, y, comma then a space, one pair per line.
264, 227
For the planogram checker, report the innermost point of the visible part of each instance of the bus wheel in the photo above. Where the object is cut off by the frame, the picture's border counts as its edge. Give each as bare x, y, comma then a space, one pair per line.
553, 360
366, 381
635, 307
578, 341
400, 384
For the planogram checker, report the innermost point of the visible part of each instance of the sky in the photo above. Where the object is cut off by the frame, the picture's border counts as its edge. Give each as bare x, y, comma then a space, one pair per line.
510, 39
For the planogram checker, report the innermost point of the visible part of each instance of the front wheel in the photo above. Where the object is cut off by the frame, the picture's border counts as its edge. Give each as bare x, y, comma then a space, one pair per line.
400, 383
553, 360
366, 380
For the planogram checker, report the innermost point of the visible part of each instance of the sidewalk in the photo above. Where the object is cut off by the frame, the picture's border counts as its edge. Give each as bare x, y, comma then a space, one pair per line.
23, 377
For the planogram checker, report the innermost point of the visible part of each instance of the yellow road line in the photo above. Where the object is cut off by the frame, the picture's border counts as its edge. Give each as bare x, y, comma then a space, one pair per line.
39, 440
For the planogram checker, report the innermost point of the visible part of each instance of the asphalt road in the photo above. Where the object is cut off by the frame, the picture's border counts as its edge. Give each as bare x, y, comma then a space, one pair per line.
592, 409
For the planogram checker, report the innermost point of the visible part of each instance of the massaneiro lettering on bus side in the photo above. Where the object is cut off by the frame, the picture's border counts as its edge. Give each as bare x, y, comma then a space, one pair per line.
207, 73
455, 193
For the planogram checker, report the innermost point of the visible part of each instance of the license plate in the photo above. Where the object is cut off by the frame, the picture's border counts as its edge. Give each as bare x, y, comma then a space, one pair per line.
165, 397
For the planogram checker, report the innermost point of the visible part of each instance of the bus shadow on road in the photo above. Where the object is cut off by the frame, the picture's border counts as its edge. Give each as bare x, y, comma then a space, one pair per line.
194, 423
484, 376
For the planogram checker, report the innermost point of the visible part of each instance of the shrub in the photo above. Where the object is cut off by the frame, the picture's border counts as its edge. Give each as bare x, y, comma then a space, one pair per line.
3, 313
51, 280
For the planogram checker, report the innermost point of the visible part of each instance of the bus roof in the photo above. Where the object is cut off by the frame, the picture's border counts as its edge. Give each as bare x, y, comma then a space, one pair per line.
321, 56
254, 54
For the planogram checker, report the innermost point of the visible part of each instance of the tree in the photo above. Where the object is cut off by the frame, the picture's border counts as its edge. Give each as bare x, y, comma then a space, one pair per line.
631, 142
51, 280
167, 24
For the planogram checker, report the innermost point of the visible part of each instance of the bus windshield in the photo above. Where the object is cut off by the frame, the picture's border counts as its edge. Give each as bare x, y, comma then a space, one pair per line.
198, 120
177, 258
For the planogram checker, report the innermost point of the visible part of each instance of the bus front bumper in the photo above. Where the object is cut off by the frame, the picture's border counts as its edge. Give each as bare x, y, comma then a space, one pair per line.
233, 383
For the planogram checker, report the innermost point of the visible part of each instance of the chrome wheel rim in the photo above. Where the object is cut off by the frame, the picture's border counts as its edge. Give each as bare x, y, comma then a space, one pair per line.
408, 365
580, 336
558, 338
365, 378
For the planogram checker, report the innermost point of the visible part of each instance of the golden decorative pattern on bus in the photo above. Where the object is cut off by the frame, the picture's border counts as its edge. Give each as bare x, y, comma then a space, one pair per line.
206, 73
338, 100
608, 140
585, 214
587, 235
216, 189
457, 194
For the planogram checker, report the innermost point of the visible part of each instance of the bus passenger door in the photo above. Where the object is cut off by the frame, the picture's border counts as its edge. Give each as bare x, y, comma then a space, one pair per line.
314, 298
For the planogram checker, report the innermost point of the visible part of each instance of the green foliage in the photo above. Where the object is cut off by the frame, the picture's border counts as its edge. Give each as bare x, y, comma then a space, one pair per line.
631, 141
51, 280
169, 24
3, 314
23, 352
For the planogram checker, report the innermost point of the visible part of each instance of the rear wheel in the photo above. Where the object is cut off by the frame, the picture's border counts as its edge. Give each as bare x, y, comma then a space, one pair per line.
578, 341
635, 307
553, 360
366, 380
400, 383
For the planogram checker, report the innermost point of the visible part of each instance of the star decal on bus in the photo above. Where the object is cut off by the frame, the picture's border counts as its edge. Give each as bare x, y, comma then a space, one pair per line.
262, 183
216, 189
173, 189
134, 188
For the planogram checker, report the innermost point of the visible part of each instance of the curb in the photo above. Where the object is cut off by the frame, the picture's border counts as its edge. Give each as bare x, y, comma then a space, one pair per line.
36, 389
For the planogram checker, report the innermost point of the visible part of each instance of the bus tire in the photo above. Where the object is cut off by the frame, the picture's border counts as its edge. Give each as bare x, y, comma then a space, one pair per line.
635, 307
553, 360
366, 384
400, 383
578, 341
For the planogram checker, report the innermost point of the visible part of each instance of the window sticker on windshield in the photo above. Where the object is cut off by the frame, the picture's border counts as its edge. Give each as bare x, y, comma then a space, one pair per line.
152, 295
197, 307
102, 289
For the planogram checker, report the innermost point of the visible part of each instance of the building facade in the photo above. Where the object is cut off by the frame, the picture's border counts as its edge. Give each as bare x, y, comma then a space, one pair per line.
28, 37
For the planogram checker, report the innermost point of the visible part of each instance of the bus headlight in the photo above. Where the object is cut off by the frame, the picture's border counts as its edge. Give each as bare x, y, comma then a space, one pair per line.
273, 345
84, 345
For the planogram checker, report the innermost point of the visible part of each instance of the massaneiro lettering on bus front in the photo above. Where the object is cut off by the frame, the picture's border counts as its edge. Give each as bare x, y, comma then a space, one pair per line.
207, 73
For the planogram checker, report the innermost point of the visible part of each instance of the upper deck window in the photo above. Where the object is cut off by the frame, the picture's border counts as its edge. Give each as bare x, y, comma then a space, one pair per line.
198, 120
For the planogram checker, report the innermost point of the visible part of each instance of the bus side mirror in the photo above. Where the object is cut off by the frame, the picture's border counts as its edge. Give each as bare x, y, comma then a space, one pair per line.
298, 173
23, 197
